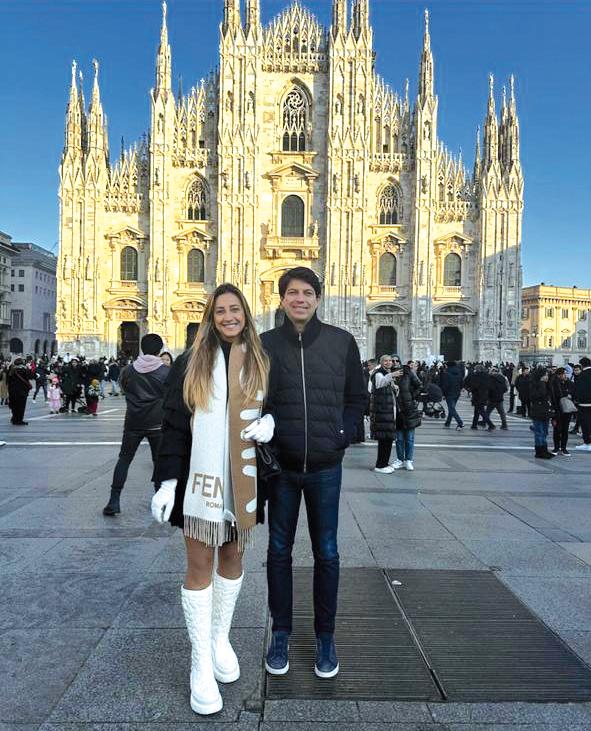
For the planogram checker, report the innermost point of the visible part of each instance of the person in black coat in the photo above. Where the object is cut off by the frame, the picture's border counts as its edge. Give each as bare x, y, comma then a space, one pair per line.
451, 381
19, 377
583, 399
497, 387
408, 417
541, 411
478, 385
522, 384
383, 412
561, 387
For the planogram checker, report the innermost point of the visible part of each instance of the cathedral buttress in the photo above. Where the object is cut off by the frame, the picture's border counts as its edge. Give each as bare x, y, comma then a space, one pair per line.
422, 219
161, 249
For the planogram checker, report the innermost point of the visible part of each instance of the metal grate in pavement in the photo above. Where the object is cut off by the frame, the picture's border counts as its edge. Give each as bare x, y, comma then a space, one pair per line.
377, 655
483, 644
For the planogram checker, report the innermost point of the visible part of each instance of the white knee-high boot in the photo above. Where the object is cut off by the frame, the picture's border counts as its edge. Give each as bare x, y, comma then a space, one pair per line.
225, 594
197, 607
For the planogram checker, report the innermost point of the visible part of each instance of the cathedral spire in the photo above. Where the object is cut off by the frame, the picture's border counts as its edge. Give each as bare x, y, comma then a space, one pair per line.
491, 128
477, 158
231, 15
163, 59
95, 102
512, 128
426, 82
360, 17
96, 121
253, 15
339, 17
73, 139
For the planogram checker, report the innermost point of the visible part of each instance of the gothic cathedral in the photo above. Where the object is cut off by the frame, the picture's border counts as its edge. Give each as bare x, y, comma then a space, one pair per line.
293, 152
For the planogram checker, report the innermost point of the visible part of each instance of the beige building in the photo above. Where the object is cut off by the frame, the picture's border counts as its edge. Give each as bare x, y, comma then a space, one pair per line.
555, 325
293, 152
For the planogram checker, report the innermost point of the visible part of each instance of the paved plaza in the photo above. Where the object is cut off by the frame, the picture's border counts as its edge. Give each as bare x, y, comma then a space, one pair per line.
93, 636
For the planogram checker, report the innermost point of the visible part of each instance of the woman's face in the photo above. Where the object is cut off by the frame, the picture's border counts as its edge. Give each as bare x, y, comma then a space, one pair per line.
228, 317
387, 363
166, 359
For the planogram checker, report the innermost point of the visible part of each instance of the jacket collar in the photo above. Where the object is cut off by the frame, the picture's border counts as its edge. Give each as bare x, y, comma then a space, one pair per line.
311, 331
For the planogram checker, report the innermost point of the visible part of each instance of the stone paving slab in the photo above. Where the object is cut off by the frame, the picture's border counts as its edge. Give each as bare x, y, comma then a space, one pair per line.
16, 554
528, 558
139, 676
512, 713
38, 665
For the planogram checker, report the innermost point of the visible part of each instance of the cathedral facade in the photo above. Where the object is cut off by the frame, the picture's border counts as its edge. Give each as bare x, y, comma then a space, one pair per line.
293, 152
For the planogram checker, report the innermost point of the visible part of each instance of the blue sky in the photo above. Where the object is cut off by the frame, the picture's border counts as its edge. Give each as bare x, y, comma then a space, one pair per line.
543, 43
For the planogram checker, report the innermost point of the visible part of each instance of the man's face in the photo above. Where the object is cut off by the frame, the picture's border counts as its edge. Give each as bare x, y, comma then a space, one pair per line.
577, 370
300, 302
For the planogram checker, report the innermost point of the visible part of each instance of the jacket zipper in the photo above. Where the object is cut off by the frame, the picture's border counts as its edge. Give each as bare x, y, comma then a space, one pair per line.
305, 406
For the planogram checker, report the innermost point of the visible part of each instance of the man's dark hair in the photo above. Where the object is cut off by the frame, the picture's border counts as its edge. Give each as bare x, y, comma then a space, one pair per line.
584, 362
151, 344
302, 273
450, 363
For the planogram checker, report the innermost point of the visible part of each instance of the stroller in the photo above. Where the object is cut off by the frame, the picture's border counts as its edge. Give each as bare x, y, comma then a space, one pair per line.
81, 407
432, 398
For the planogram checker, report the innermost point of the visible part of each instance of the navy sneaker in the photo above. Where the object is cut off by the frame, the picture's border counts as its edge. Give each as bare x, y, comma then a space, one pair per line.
277, 661
327, 664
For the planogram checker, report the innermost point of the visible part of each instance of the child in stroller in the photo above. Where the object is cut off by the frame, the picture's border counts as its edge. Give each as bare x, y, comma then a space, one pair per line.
432, 398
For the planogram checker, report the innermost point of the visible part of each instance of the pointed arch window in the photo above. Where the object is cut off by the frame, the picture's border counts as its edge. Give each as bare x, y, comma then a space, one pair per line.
292, 217
452, 271
129, 264
389, 206
195, 266
197, 201
295, 114
387, 270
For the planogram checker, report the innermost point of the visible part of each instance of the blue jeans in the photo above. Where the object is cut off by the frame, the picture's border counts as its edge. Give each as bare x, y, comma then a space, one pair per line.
540, 433
405, 444
321, 492
451, 402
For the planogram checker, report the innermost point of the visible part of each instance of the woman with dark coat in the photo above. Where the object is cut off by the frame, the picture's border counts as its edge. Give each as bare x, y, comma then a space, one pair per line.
19, 378
408, 417
383, 412
541, 411
561, 387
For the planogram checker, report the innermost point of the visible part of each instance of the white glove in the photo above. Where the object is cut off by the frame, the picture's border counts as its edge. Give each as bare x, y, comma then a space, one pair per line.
261, 430
163, 501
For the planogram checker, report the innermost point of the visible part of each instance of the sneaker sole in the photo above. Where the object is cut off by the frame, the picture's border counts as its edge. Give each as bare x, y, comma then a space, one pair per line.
206, 709
330, 674
276, 671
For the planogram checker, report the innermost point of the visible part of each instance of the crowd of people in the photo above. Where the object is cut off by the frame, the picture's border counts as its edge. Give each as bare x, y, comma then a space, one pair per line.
68, 384
550, 396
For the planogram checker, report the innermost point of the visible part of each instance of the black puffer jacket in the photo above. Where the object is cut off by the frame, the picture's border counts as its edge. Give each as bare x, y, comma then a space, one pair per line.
541, 406
407, 410
451, 381
144, 394
497, 386
560, 389
382, 409
316, 394
477, 383
583, 388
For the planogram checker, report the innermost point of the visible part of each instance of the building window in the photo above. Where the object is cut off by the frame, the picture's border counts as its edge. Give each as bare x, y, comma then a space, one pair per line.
21, 287
12, 287
567, 343
195, 266
197, 201
583, 315
129, 264
46, 321
292, 217
565, 313
524, 313
388, 206
21, 272
387, 270
452, 271
295, 121
549, 311
582, 340
550, 341
16, 319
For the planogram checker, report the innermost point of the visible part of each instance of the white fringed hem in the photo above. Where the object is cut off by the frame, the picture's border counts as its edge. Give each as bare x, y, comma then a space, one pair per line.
215, 534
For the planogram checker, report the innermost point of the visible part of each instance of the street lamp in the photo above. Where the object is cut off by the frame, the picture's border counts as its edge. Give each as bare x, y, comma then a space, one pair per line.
535, 337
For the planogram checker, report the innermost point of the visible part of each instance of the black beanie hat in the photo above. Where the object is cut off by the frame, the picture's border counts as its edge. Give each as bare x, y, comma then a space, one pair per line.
151, 344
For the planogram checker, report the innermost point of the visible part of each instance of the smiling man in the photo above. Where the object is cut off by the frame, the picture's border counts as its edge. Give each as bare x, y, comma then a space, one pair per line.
316, 396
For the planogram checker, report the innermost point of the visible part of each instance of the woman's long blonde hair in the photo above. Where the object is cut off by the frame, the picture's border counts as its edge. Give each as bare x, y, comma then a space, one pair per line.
198, 384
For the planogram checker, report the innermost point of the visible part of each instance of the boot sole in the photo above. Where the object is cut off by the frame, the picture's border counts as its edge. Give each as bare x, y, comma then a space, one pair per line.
206, 709
330, 674
276, 671
231, 677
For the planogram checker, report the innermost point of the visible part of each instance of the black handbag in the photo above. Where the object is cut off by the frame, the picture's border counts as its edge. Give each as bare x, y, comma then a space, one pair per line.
267, 464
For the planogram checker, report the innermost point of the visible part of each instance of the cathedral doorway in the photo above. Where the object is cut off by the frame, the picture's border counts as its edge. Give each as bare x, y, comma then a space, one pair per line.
16, 346
192, 330
451, 343
386, 341
128, 340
